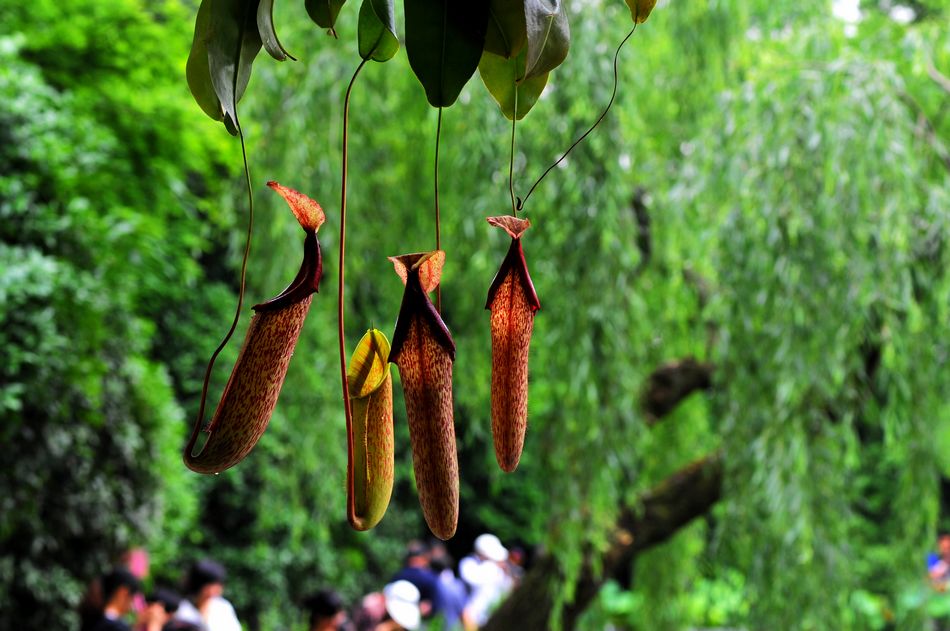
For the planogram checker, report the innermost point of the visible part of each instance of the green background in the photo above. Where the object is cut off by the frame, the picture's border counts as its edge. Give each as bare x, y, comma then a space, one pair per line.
796, 178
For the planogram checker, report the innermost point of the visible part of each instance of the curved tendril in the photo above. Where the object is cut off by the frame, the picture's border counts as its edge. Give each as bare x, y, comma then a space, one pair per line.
240, 304
438, 218
340, 289
613, 95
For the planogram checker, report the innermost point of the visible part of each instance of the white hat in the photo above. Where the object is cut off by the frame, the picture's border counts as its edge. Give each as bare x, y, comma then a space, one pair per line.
489, 546
402, 603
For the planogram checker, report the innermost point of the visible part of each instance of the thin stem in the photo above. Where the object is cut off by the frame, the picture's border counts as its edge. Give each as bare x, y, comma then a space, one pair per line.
240, 303
341, 274
438, 218
247, 251
613, 95
511, 159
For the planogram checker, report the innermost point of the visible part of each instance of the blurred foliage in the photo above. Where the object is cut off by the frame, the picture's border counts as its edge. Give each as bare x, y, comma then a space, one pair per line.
110, 223
796, 212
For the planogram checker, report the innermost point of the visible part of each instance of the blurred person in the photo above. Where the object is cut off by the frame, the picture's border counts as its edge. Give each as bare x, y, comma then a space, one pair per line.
204, 605
416, 570
136, 561
484, 573
160, 605
453, 591
109, 600
158, 615
370, 612
515, 565
402, 600
938, 564
326, 611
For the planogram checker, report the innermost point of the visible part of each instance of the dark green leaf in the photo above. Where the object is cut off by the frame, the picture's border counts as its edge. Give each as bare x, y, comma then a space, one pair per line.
504, 79
640, 9
324, 12
549, 35
265, 25
377, 30
234, 43
444, 40
197, 71
507, 31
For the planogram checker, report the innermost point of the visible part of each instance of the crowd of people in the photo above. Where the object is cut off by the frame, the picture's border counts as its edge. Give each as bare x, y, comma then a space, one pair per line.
462, 599
116, 597
430, 590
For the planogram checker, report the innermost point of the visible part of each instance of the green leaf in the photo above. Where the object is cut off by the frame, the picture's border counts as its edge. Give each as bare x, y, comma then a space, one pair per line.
197, 71
549, 35
232, 47
377, 30
444, 40
265, 25
324, 12
505, 77
640, 9
507, 31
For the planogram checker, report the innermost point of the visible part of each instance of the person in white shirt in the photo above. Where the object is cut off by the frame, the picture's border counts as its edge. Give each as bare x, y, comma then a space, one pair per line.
484, 573
205, 605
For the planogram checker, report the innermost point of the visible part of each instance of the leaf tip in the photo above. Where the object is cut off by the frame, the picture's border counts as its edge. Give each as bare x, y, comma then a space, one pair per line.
307, 211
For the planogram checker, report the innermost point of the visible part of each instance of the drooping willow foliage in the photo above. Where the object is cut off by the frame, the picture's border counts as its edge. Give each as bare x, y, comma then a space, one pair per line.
823, 198
824, 238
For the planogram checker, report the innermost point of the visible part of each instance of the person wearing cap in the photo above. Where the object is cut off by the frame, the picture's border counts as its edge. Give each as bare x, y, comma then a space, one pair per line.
416, 570
484, 573
402, 607
204, 604
110, 601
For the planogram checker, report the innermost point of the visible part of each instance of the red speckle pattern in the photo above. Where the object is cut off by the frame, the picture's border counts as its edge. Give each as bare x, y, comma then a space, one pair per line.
514, 226
512, 321
307, 211
427, 264
373, 455
425, 368
252, 390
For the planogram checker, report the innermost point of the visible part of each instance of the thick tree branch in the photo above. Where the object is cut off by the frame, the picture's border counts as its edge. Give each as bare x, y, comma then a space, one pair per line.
658, 515
687, 494
671, 383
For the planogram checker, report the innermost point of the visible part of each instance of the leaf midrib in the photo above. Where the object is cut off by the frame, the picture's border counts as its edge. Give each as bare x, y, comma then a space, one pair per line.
544, 42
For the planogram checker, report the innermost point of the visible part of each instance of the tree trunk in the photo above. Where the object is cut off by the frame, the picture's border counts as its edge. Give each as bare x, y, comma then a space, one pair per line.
687, 494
